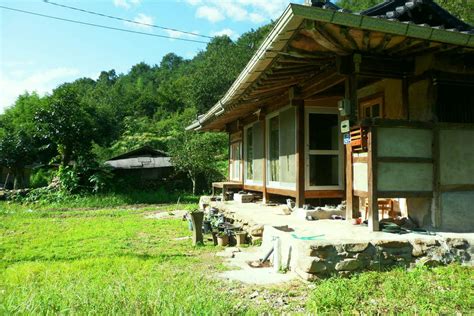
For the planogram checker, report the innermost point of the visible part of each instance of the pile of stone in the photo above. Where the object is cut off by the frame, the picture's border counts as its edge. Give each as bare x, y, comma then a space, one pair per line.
324, 259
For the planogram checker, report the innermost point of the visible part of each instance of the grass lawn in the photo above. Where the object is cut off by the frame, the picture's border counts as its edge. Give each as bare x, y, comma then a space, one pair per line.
61, 259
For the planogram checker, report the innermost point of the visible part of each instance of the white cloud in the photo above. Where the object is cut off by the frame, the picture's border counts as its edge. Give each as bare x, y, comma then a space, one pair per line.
256, 18
141, 18
14, 82
233, 35
126, 4
255, 11
210, 13
177, 34
194, 2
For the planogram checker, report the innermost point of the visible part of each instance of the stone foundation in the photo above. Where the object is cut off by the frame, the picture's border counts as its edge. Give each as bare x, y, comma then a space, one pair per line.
340, 248
325, 259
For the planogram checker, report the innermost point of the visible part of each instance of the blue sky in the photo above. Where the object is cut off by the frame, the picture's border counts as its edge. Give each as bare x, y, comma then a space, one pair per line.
37, 54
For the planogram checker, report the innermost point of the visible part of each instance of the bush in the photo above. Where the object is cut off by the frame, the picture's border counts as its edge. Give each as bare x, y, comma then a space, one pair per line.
41, 177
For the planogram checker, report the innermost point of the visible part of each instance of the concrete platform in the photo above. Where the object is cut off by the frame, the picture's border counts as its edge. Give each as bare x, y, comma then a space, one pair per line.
314, 248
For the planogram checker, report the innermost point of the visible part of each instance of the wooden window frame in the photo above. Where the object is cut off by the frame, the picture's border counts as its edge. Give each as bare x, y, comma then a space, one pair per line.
339, 152
370, 101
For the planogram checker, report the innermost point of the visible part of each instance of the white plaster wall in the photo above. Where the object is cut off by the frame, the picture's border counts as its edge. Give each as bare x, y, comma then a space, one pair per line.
404, 142
405, 176
457, 211
360, 180
457, 156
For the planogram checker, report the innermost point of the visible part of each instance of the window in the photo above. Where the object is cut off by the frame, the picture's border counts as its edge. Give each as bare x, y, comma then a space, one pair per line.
281, 149
235, 161
323, 149
455, 103
249, 153
274, 148
372, 107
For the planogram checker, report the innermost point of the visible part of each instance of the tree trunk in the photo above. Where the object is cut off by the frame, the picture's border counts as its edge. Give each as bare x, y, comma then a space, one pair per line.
6, 180
194, 185
15, 179
66, 156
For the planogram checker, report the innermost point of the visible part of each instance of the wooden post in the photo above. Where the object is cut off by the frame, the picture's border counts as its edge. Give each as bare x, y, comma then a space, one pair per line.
436, 216
372, 180
229, 173
300, 155
405, 99
264, 176
349, 186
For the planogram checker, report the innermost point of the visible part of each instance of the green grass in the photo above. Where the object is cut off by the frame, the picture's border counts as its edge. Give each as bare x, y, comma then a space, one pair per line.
116, 261
443, 290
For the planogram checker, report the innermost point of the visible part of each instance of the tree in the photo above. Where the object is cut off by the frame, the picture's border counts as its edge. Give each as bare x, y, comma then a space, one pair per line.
67, 123
197, 154
17, 150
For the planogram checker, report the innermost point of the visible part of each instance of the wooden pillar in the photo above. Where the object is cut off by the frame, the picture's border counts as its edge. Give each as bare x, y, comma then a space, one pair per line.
372, 180
436, 209
405, 99
241, 149
229, 159
264, 176
300, 155
350, 213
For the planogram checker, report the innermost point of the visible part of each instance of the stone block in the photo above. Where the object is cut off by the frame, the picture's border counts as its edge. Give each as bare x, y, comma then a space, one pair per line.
204, 200
256, 230
323, 251
429, 262
458, 243
392, 243
306, 276
348, 265
356, 247
311, 265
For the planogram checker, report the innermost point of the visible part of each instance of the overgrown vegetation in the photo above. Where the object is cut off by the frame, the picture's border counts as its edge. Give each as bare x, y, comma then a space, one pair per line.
85, 122
56, 259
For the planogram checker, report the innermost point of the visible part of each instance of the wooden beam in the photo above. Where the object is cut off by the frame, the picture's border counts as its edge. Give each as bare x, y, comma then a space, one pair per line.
321, 82
404, 160
372, 180
359, 159
345, 32
363, 194
383, 43
456, 187
324, 194
325, 39
404, 194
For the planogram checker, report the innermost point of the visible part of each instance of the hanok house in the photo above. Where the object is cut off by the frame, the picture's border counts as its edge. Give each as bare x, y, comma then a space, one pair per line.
358, 106
142, 166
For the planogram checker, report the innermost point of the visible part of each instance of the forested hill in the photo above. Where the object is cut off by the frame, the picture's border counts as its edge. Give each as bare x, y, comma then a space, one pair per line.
118, 112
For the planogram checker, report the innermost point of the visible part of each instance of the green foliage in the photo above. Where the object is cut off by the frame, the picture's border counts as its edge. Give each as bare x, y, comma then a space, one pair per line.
198, 154
150, 105
446, 290
118, 261
463, 9
67, 123
41, 177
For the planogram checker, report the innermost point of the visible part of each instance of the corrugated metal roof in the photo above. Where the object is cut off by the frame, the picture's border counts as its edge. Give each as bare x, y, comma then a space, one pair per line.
140, 163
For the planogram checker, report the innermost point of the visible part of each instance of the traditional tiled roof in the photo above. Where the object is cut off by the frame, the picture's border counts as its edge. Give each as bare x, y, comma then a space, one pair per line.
421, 12
306, 41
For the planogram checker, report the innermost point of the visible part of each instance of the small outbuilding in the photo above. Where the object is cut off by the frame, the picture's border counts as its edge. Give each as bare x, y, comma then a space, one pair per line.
143, 165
